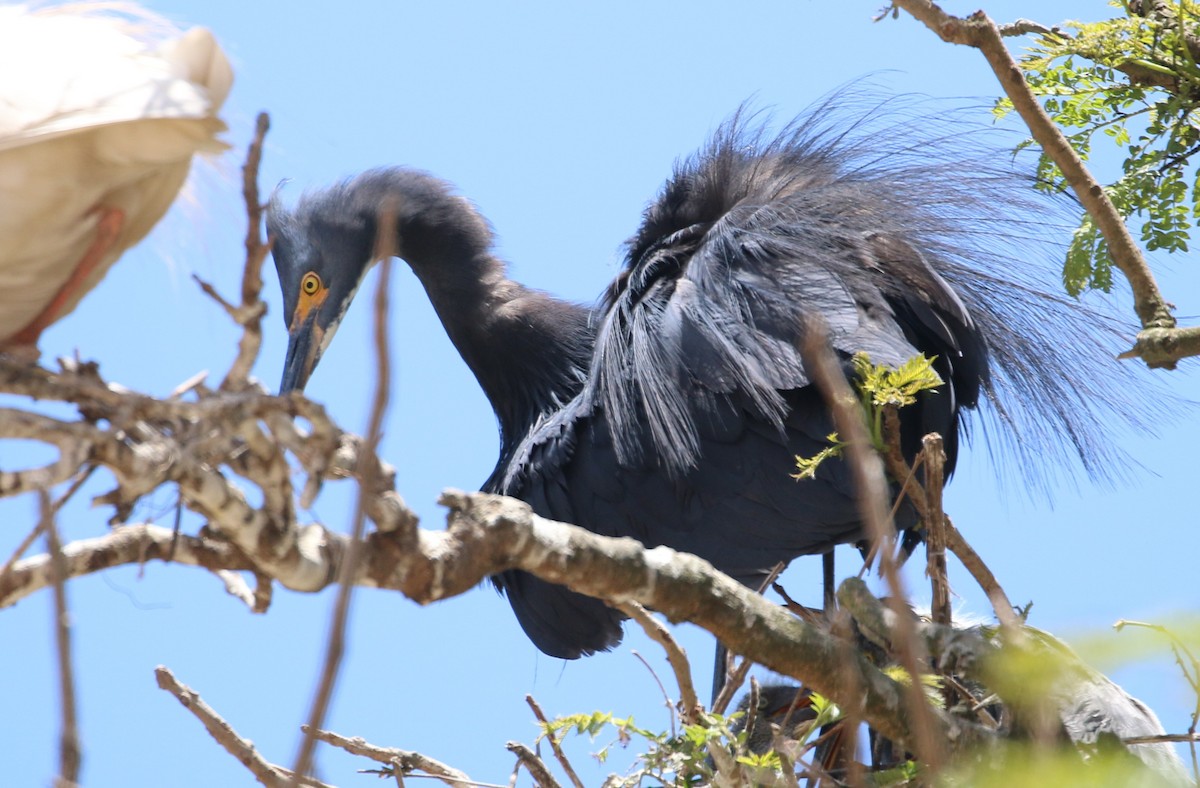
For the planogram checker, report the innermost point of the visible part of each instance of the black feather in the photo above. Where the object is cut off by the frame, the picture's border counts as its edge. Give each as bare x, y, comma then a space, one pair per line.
674, 410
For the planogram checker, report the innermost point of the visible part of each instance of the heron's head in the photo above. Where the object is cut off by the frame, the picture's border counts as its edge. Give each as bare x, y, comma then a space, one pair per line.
322, 251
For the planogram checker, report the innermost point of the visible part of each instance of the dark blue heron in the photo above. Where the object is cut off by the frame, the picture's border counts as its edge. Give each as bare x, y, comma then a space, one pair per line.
673, 410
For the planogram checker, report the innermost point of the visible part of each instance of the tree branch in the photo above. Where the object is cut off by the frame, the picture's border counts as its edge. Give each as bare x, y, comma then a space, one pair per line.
676, 658
533, 764
243, 749
404, 760
871, 485
353, 554
124, 546
70, 750
1158, 344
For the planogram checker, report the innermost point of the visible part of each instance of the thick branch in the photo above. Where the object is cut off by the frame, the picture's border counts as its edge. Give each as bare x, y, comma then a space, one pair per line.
126, 545
488, 534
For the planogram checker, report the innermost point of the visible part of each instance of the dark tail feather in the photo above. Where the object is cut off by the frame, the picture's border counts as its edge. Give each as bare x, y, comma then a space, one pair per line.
559, 621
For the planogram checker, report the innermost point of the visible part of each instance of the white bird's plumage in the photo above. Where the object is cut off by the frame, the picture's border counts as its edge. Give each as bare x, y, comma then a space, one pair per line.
102, 107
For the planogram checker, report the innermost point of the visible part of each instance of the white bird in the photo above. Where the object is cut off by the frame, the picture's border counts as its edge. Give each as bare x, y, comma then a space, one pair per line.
102, 107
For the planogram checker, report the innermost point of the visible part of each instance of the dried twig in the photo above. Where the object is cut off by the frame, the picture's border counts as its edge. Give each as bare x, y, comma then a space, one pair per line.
533, 764
735, 677
752, 704
935, 528
348, 570
70, 751
554, 745
249, 315
871, 485
986, 580
25, 544
1159, 344
667, 702
265, 772
405, 761
81, 476
676, 657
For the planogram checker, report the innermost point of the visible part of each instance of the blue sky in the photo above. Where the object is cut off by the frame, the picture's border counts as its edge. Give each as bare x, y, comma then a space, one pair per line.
559, 121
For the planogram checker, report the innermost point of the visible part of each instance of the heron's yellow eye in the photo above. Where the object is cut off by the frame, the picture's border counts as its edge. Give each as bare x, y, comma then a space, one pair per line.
310, 284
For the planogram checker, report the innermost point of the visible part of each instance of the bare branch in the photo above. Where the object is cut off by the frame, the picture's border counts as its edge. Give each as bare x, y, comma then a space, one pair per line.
405, 761
129, 544
676, 657
1022, 27
25, 544
349, 566
70, 751
554, 745
250, 314
1166, 738
266, 773
667, 702
986, 580
1158, 344
734, 679
872, 488
533, 764
935, 528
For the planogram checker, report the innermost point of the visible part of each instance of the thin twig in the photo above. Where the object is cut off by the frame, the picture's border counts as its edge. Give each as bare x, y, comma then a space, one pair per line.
70, 751
348, 571
558, 752
29, 539
537, 770
986, 580
1155, 343
265, 772
935, 528
752, 704
670, 704
249, 315
404, 761
1192, 677
676, 657
1167, 738
871, 485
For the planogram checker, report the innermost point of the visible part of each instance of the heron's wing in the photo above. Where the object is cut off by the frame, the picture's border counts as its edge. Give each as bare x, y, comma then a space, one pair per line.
698, 403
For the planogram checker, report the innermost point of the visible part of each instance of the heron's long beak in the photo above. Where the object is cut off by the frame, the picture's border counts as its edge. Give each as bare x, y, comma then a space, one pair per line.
304, 346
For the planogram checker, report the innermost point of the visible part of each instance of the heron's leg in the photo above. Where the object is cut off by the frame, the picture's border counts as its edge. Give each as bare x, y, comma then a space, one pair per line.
829, 579
720, 671
24, 342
